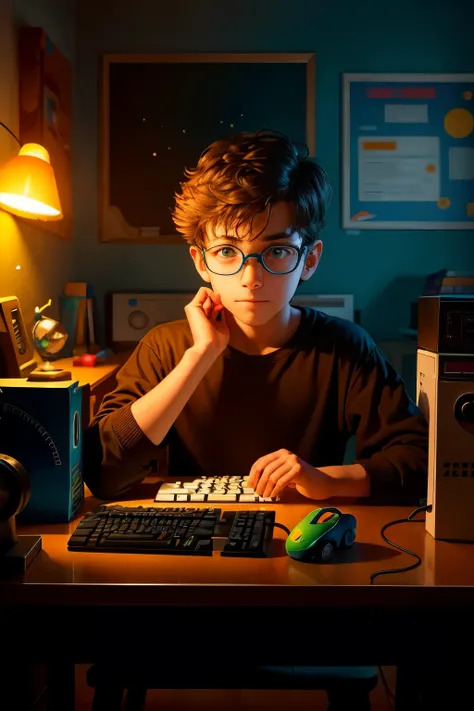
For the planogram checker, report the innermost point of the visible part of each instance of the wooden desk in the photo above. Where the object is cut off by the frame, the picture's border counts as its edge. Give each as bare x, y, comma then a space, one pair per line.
97, 381
73, 607
64, 595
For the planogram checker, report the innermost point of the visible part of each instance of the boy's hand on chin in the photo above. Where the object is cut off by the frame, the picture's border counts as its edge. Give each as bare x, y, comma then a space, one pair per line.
207, 320
270, 474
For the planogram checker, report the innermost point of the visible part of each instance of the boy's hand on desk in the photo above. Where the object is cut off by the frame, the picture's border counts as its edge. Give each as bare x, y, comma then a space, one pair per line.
271, 473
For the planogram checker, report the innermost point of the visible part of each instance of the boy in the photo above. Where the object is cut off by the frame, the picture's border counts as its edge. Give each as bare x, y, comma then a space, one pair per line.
248, 384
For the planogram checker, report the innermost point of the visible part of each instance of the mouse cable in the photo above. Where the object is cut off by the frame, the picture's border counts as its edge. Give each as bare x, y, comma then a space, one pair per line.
283, 528
411, 519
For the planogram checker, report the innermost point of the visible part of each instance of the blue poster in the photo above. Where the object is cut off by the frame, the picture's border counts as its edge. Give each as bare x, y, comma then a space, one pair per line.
408, 151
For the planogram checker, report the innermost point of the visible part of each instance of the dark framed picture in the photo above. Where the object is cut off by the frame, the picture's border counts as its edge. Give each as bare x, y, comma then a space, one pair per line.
159, 112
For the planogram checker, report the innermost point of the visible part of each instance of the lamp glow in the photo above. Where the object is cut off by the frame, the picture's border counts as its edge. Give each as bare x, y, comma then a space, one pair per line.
28, 186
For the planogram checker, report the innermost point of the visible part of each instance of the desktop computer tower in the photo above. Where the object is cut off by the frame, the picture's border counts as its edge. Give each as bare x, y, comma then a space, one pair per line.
445, 393
40, 426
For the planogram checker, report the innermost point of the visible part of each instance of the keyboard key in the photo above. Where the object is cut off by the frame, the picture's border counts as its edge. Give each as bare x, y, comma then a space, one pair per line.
77, 541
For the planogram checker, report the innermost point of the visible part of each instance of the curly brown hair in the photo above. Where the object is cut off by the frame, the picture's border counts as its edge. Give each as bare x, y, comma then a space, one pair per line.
243, 175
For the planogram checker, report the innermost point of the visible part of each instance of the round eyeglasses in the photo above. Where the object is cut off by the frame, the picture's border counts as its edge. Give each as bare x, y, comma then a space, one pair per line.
225, 259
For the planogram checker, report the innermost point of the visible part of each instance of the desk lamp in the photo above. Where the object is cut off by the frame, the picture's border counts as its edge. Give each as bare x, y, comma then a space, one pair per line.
27, 183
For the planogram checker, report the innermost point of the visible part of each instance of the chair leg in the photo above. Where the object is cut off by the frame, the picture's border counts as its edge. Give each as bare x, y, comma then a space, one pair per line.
107, 697
348, 701
135, 698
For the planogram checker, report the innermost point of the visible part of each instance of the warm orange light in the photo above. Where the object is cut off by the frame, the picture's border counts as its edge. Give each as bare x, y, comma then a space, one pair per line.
28, 186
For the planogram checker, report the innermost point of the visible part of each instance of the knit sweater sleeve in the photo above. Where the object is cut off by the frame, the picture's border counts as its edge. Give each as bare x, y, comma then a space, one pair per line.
116, 452
391, 431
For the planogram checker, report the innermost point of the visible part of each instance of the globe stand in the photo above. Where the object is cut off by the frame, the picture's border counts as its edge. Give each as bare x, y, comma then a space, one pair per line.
49, 373
49, 338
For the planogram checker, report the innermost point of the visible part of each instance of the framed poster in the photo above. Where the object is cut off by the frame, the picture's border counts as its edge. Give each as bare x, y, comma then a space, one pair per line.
408, 151
160, 111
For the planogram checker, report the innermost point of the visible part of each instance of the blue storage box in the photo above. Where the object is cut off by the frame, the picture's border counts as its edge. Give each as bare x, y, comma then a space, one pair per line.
40, 426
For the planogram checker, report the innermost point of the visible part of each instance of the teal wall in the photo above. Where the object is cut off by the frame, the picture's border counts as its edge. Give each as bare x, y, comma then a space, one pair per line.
34, 264
384, 270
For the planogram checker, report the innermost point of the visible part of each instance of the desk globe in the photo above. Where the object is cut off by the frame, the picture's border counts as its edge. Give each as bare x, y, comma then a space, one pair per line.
49, 338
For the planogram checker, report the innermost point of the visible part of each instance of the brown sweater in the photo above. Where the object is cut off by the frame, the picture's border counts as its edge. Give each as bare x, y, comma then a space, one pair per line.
328, 382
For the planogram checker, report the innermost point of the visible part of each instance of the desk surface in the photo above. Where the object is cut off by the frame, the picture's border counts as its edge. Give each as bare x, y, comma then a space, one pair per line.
95, 375
60, 577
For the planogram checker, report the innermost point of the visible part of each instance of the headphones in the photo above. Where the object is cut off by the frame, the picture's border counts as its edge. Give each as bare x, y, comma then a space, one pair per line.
14, 487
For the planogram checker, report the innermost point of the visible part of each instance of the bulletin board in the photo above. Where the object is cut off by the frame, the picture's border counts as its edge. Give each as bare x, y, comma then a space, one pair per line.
408, 151
159, 112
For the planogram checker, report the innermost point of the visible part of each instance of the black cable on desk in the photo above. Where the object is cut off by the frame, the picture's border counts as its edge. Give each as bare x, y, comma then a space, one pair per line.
410, 519
283, 528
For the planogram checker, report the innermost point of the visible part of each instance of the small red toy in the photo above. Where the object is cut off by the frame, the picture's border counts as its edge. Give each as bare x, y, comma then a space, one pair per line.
87, 360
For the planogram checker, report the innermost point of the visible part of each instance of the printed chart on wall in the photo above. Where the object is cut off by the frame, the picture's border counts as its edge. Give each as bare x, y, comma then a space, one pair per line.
408, 151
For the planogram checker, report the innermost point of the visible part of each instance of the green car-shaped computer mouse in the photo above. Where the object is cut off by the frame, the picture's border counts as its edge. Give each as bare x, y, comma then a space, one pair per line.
315, 538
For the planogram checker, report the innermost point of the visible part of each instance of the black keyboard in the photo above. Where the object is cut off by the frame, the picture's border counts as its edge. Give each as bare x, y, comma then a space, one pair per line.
250, 535
126, 529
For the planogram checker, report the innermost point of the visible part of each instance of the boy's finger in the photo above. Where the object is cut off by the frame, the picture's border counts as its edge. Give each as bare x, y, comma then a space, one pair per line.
201, 297
216, 311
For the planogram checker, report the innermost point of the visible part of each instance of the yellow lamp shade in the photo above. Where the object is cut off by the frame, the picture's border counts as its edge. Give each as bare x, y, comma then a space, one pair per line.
28, 186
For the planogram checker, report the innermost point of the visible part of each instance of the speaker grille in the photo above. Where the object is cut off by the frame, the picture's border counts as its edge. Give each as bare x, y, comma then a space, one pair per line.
16, 323
460, 470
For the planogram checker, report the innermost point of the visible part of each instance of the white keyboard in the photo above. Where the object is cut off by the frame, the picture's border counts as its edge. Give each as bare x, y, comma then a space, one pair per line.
219, 489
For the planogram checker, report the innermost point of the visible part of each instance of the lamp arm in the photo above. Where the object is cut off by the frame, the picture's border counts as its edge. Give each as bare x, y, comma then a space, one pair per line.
11, 132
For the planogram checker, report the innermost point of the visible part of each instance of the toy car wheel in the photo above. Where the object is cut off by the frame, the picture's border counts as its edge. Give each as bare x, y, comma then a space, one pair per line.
348, 539
327, 550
